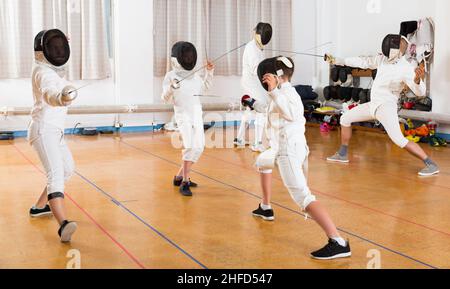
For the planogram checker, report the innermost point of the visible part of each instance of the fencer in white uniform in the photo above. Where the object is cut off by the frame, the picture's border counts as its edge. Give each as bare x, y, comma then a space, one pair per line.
289, 150
52, 95
253, 55
394, 71
182, 88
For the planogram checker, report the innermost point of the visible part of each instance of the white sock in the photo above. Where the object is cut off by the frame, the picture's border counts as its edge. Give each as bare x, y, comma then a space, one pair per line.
266, 207
340, 241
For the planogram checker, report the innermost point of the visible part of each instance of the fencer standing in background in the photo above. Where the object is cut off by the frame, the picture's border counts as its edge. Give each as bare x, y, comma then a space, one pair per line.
394, 71
253, 55
52, 95
182, 88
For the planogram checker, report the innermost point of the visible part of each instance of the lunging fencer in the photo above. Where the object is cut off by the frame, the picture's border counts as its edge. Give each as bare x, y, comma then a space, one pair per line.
253, 55
52, 95
188, 108
289, 150
394, 71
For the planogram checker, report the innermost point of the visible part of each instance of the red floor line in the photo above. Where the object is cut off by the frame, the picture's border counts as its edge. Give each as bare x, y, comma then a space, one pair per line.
162, 158
418, 179
317, 158
101, 228
349, 202
344, 200
107, 233
384, 213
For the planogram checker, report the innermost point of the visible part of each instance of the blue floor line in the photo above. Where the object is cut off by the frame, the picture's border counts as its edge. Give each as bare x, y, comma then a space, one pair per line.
286, 208
141, 220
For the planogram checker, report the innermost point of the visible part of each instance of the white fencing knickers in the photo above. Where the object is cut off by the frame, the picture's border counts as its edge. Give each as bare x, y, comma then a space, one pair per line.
385, 113
55, 156
245, 121
260, 124
293, 166
193, 137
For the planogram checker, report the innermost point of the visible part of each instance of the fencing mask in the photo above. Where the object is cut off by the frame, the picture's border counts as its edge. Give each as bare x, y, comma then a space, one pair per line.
391, 46
185, 54
263, 33
278, 66
408, 27
55, 46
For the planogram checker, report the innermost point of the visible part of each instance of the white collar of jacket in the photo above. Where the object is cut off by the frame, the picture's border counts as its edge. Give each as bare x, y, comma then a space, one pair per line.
394, 56
179, 70
41, 60
286, 84
258, 41
395, 60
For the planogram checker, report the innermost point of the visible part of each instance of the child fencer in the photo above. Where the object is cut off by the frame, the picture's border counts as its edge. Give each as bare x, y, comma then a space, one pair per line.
289, 150
394, 71
52, 95
253, 55
182, 88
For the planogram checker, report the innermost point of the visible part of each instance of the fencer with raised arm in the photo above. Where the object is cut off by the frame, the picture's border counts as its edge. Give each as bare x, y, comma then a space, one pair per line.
188, 109
52, 95
394, 72
289, 150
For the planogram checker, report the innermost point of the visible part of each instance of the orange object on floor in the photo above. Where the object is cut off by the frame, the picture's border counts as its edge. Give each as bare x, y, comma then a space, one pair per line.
422, 131
410, 132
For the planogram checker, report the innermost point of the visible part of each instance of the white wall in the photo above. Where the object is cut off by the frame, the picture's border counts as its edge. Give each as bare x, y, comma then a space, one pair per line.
361, 33
304, 39
440, 83
133, 39
312, 21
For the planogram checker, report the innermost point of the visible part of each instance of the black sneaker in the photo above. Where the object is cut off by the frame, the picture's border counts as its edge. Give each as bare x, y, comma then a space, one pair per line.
332, 251
66, 231
35, 212
177, 182
266, 215
185, 189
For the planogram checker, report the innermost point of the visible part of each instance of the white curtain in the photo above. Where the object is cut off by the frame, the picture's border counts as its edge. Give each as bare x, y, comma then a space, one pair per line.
82, 20
217, 26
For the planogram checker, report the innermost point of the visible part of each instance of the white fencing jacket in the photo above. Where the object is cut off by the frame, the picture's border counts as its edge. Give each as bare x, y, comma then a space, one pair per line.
285, 114
390, 79
48, 84
186, 99
250, 83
